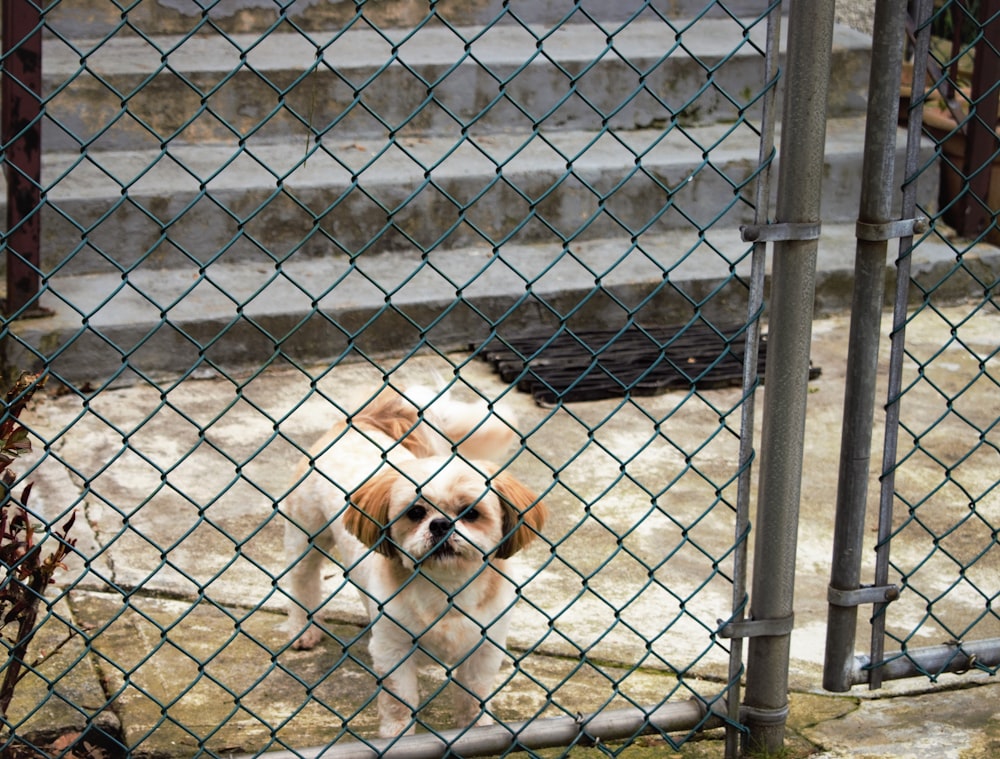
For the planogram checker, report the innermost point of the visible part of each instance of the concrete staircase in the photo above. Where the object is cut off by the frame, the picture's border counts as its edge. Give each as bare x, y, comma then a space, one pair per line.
233, 188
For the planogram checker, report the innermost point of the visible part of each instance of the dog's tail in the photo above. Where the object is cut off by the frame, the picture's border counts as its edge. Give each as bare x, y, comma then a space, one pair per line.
473, 427
396, 416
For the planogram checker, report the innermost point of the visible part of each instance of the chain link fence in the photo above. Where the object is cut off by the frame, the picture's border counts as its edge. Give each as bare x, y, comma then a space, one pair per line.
256, 216
939, 540
934, 565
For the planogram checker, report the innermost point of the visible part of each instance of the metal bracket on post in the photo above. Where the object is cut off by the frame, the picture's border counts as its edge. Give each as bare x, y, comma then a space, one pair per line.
757, 628
866, 594
780, 232
891, 230
764, 716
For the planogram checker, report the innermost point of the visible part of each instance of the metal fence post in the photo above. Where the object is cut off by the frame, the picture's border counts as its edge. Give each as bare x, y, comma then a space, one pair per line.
875, 211
973, 215
755, 308
22, 149
803, 133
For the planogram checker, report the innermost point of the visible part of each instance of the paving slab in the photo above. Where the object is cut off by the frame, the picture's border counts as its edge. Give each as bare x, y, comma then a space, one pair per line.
958, 723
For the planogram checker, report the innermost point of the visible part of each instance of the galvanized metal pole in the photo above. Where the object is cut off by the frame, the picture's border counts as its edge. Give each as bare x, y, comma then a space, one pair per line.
875, 211
793, 284
922, 11
755, 307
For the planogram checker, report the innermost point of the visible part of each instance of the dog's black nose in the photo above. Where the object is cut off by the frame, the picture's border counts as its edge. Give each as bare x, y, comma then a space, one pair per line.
439, 527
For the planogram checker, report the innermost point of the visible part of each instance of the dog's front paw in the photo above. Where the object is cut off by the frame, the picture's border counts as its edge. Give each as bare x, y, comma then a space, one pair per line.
308, 639
484, 721
470, 712
396, 728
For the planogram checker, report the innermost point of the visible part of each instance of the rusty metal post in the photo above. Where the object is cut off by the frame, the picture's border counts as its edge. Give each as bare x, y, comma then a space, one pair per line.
21, 135
981, 141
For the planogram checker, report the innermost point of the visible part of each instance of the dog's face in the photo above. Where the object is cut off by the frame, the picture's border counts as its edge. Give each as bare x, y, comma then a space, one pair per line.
442, 514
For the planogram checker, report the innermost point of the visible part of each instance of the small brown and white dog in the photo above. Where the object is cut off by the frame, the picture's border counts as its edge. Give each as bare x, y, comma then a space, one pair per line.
424, 536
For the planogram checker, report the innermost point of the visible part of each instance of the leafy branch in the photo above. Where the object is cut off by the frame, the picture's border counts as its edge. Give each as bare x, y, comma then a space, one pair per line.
24, 572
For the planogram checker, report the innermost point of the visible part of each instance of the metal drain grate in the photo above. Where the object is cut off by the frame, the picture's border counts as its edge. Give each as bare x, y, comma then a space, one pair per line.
587, 365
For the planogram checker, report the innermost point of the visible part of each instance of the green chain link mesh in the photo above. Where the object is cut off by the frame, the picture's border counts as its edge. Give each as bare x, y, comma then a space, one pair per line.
941, 540
206, 163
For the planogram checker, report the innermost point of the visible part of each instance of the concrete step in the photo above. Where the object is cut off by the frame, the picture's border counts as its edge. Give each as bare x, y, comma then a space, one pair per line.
134, 93
195, 205
98, 18
236, 318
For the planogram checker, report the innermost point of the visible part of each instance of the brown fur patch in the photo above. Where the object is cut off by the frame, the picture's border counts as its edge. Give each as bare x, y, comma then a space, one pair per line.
396, 417
524, 515
368, 512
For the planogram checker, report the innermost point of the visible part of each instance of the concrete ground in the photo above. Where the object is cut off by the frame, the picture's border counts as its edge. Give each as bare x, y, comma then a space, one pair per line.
178, 536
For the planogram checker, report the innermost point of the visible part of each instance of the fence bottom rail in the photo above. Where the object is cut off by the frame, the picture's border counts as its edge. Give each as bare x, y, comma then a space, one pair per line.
600, 727
955, 657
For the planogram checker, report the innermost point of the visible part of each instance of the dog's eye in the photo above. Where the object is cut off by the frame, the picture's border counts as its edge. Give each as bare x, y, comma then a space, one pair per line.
416, 513
470, 515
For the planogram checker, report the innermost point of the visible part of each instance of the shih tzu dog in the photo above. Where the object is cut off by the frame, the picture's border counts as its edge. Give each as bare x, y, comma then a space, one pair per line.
423, 534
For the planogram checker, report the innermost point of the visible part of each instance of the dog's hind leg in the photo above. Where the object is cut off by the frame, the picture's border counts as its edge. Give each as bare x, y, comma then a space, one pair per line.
306, 557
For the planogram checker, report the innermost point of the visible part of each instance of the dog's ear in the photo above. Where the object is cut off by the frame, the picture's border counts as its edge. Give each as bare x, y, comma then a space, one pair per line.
367, 516
524, 514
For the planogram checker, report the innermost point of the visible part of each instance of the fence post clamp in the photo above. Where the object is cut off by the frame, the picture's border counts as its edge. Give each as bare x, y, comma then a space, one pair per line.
757, 628
866, 594
780, 232
891, 229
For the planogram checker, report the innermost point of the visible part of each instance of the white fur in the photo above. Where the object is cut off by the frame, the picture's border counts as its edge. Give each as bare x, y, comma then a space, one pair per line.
373, 501
478, 433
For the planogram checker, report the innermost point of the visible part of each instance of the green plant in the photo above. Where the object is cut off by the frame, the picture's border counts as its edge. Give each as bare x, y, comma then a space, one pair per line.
24, 573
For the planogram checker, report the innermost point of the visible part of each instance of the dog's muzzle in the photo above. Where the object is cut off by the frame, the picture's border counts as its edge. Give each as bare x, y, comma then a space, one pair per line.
440, 530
